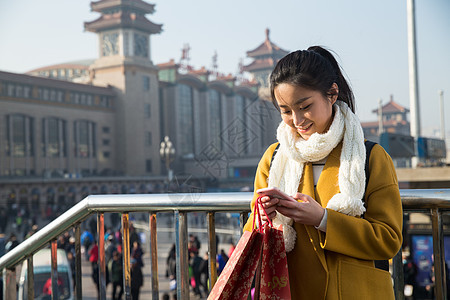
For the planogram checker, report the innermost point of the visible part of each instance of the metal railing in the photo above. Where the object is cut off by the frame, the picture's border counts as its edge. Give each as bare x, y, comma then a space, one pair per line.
435, 202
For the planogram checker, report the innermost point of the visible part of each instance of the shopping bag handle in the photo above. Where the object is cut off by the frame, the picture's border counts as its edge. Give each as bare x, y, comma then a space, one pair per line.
257, 213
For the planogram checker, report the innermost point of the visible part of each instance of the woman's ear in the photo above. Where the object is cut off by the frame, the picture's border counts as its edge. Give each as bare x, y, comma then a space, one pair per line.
333, 93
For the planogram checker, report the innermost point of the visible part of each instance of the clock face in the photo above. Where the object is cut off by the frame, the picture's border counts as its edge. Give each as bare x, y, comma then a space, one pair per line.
140, 45
110, 44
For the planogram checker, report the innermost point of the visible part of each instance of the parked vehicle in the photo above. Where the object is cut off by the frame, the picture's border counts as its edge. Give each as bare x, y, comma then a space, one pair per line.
42, 277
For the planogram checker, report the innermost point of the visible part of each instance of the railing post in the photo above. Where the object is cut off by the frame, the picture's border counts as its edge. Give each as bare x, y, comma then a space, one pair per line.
54, 270
30, 277
78, 293
182, 255
9, 284
212, 250
399, 281
438, 252
154, 256
126, 256
101, 255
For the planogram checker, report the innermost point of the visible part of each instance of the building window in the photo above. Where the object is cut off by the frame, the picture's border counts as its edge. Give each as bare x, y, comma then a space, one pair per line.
105, 142
11, 89
59, 96
105, 129
147, 110
84, 138
89, 100
148, 138
26, 92
215, 115
148, 165
106, 154
54, 135
19, 91
146, 82
185, 120
20, 137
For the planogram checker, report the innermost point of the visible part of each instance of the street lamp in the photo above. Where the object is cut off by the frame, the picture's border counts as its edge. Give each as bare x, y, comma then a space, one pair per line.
167, 153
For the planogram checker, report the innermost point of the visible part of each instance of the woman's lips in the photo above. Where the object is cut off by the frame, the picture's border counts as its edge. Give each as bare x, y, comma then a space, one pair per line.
304, 129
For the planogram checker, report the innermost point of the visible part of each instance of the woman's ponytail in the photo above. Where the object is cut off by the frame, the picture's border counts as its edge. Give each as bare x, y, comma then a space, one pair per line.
345, 92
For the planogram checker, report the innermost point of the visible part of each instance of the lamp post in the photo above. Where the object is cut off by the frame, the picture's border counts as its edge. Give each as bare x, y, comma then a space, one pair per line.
167, 153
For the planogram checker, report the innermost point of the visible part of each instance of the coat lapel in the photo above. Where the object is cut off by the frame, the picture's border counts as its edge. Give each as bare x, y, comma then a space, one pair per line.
327, 187
307, 188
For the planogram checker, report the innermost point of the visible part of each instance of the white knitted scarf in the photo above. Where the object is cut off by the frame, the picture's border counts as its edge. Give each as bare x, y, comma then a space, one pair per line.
287, 167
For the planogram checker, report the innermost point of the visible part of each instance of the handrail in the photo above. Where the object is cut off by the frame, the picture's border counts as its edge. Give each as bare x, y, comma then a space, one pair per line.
214, 202
432, 200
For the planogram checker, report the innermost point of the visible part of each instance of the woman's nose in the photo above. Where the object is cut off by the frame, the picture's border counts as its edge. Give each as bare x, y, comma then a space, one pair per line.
297, 118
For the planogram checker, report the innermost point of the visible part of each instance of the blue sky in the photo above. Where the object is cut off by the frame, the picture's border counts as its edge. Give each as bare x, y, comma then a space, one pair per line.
370, 38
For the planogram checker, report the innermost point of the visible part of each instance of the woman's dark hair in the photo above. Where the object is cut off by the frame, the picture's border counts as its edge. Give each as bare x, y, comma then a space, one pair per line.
315, 69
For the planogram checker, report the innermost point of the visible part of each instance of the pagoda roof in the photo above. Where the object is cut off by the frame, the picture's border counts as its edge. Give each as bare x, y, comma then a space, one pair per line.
392, 107
267, 48
123, 20
260, 64
100, 6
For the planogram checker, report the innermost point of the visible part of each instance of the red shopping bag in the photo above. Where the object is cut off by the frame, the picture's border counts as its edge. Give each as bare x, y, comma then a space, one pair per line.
274, 282
236, 279
272, 276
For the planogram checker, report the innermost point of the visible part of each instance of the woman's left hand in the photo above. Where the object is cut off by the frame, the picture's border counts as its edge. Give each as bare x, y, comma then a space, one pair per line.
308, 212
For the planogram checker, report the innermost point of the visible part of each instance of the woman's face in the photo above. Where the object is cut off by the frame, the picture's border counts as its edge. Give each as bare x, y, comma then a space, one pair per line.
306, 111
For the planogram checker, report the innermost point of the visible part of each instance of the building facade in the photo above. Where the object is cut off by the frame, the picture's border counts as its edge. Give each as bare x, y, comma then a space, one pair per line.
95, 126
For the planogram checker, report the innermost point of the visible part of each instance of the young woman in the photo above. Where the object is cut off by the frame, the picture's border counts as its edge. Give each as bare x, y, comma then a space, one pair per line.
337, 226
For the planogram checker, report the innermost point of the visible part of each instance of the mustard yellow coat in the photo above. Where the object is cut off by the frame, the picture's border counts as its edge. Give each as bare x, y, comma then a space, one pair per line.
339, 264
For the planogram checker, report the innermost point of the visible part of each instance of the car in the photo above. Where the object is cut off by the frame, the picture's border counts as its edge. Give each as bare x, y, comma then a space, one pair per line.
42, 276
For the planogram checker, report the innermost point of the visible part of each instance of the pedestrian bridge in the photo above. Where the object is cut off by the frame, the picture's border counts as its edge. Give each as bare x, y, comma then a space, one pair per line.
435, 202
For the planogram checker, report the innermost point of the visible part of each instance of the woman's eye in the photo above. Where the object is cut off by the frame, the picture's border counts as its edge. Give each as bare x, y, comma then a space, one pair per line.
306, 107
285, 112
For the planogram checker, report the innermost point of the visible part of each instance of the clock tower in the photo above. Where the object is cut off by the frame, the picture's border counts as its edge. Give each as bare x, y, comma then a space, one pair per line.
125, 63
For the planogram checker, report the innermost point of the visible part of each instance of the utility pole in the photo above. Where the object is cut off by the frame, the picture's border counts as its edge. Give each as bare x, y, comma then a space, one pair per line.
413, 78
380, 117
441, 106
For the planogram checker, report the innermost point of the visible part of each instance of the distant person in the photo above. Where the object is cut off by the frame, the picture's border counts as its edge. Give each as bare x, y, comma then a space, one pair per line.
137, 253
196, 264
11, 243
116, 270
137, 279
166, 296
222, 260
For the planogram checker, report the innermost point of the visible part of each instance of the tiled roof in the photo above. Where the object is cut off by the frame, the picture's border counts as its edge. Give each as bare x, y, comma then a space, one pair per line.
228, 77
389, 123
55, 83
168, 65
61, 66
123, 20
267, 48
140, 5
260, 64
201, 71
392, 107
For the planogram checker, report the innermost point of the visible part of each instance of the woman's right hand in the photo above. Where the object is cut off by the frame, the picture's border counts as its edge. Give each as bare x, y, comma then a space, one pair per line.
270, 205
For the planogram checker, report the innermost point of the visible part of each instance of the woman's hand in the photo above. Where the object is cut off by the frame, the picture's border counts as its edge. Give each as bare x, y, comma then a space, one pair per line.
307, 212
270, 205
